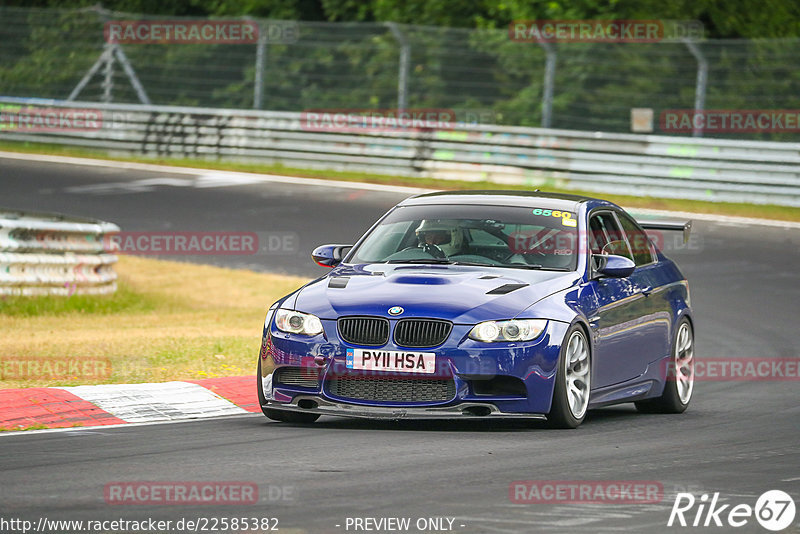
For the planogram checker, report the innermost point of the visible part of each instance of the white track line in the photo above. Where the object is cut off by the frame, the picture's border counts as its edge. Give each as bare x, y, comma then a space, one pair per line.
247, 177
209, 176
100, 428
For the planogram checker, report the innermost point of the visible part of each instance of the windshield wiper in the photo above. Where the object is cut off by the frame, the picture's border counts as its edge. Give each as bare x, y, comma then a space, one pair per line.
444, 261
475, 264
438, 261
535, 266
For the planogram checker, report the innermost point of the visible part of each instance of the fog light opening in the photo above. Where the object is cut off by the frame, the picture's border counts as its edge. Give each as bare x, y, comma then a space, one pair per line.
307, 404
477, 411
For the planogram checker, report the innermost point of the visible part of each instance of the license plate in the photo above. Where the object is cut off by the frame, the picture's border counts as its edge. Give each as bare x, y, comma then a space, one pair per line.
391, 360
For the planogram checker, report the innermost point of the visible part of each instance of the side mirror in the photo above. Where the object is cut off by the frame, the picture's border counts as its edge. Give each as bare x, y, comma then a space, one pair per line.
330, 255
613, 265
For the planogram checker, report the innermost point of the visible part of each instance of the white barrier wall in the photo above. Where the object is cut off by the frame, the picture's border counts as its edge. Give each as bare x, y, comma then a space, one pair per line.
46, 254
661, 166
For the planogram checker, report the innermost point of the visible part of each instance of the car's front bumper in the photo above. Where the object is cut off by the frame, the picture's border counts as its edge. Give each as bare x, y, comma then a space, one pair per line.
461, 360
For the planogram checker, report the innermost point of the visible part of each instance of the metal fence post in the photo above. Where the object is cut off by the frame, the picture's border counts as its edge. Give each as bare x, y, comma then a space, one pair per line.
91, 72
108, 77
128, 68
258, 90
106, 60
700, 84
402, 74
548, 82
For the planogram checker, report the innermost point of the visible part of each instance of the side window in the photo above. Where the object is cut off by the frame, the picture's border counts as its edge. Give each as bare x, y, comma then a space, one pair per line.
596, 236
605, 236
640, 243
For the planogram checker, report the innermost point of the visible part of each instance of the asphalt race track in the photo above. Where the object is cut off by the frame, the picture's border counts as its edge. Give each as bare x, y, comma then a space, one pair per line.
738, 438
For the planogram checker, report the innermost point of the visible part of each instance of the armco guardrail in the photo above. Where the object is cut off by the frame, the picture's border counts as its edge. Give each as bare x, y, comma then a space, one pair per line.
662, 166
48, 254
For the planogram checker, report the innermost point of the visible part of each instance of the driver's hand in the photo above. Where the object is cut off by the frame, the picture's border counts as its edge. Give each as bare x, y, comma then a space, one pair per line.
433, 250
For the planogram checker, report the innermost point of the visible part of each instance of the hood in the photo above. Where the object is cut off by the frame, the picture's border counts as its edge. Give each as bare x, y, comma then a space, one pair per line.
457, 293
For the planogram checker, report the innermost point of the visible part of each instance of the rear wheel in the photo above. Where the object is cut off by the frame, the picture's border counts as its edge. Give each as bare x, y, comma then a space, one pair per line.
680, 376
281, 415
573, 381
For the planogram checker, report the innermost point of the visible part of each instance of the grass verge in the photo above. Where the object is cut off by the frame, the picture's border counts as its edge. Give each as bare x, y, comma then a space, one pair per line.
167, 321
23, 428
784, 213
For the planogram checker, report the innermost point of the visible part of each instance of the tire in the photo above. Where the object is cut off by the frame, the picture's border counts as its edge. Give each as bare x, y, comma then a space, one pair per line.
679, 377
573, 381
280, 415
290, 417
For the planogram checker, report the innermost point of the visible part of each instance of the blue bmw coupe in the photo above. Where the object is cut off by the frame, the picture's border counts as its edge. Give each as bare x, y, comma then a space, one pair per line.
483, 304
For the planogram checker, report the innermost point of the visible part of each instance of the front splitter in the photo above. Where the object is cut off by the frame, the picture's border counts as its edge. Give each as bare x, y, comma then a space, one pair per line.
471, 410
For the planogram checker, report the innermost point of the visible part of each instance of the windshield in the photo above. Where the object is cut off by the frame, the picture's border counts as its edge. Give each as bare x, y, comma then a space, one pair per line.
500, 236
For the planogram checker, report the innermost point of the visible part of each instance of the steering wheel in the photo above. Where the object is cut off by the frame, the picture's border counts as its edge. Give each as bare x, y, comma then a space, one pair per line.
529, 258
433, 250
414, 252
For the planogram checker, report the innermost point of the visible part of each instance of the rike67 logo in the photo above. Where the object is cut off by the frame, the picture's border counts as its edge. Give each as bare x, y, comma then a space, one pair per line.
774, 510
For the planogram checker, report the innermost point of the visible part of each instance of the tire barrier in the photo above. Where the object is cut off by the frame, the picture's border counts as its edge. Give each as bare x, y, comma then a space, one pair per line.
51, 254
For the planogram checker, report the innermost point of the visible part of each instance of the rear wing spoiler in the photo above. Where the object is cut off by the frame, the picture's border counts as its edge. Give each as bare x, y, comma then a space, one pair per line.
680, 226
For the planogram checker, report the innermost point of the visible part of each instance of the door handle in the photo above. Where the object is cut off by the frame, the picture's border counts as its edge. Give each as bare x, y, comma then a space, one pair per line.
646, 291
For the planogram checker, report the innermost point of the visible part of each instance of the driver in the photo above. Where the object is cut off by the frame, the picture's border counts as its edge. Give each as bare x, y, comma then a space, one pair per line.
440, 237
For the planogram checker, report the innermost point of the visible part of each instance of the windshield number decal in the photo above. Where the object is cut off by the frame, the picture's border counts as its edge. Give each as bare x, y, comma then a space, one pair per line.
565, 216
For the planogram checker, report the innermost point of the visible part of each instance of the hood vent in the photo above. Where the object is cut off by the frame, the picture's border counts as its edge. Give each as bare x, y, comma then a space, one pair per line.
339, 282
420, 279
505, 289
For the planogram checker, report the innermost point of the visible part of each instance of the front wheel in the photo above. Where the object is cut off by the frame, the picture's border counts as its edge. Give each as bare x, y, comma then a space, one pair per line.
573, 381
679, 377
280, 415
290, 417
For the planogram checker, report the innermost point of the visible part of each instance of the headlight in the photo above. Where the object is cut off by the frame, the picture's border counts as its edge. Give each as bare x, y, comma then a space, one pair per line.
297, 322
516, 330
